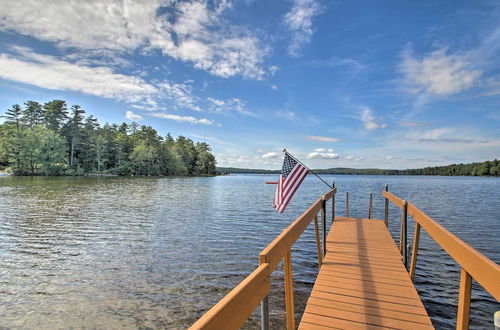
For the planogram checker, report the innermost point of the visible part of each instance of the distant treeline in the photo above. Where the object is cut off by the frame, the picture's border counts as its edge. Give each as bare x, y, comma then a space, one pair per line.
487, 168
50, 139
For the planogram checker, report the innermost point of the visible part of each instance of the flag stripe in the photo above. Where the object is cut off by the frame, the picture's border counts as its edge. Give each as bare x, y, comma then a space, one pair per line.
292, 179
292, 175
289, 193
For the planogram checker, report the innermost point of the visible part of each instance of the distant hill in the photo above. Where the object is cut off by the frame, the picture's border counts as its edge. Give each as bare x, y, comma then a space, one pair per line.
487, 168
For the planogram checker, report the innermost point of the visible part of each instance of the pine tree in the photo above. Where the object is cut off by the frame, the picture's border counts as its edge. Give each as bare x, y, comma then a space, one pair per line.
55, 114
32, 113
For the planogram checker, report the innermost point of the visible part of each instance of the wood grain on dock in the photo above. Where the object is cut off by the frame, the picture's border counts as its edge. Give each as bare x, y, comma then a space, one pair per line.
363, 283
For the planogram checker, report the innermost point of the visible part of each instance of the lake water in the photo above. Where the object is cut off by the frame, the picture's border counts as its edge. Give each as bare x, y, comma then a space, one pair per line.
159, 252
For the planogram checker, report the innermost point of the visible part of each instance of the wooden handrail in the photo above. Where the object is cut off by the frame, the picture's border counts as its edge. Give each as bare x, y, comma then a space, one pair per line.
482, 269
233, 310
276, 251
473, 264
393, 198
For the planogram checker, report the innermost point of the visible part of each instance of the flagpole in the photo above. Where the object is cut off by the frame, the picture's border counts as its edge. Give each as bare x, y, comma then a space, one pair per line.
286, 152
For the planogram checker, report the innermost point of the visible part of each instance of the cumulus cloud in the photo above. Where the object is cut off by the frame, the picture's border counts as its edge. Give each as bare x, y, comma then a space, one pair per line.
319, 149
368, 119
322, 155
437, 73
270, 155
132, 116
182, 119
49, 72
192, 32
321, 138
299, 22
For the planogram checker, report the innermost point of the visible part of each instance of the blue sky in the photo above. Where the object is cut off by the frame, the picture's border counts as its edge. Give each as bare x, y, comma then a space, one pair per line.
386, 84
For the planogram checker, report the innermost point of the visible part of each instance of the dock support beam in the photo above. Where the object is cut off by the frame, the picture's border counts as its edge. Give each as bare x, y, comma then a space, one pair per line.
290, 310
347, 204
264, 313
464, 295
386, 219
403, 239
416, 239
318, 242
370, 209
333, 204
323, 217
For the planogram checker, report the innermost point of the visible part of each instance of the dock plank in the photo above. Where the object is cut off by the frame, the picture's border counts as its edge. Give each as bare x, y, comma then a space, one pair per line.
363, 283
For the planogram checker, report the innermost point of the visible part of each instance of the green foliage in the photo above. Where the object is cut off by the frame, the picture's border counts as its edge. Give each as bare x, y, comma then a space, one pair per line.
488, 168
46, 140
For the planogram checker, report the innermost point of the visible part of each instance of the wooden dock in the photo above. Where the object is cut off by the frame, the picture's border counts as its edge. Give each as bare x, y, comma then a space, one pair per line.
362, 282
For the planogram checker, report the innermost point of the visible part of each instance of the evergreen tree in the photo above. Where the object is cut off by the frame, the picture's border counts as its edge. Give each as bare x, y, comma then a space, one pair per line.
55, 114
75, 132
13, 120
52, 153
32, 113
43, 140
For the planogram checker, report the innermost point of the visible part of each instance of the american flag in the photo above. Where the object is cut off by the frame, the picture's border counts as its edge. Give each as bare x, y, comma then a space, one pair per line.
292, 175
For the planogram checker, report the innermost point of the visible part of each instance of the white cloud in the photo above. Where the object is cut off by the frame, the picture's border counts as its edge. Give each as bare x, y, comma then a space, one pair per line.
26, 66
434, 134
438, 73
321, 138
231, 105
410, 124
270, 155
330, 150
182, 119
180, 94
368, 119
299, 21
49, 72
322, 155
319, 150
288, 115
188, 31
132, 116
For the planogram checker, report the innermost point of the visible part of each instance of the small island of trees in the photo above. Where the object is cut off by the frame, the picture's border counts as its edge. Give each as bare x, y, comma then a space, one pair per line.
50, 139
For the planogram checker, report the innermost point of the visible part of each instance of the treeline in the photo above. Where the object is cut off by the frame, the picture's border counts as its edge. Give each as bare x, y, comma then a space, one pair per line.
487, 168
50, 139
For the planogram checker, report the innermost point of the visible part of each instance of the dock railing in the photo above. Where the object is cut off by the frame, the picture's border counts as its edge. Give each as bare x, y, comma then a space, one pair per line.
234, 309
473, 264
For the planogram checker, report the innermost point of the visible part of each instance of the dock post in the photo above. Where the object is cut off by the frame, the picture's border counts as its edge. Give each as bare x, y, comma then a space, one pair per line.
333, 203
347, 204
318, 242
290, 310
264, 313
370, 209
323, 218
386, 219
403, 238
464, 296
